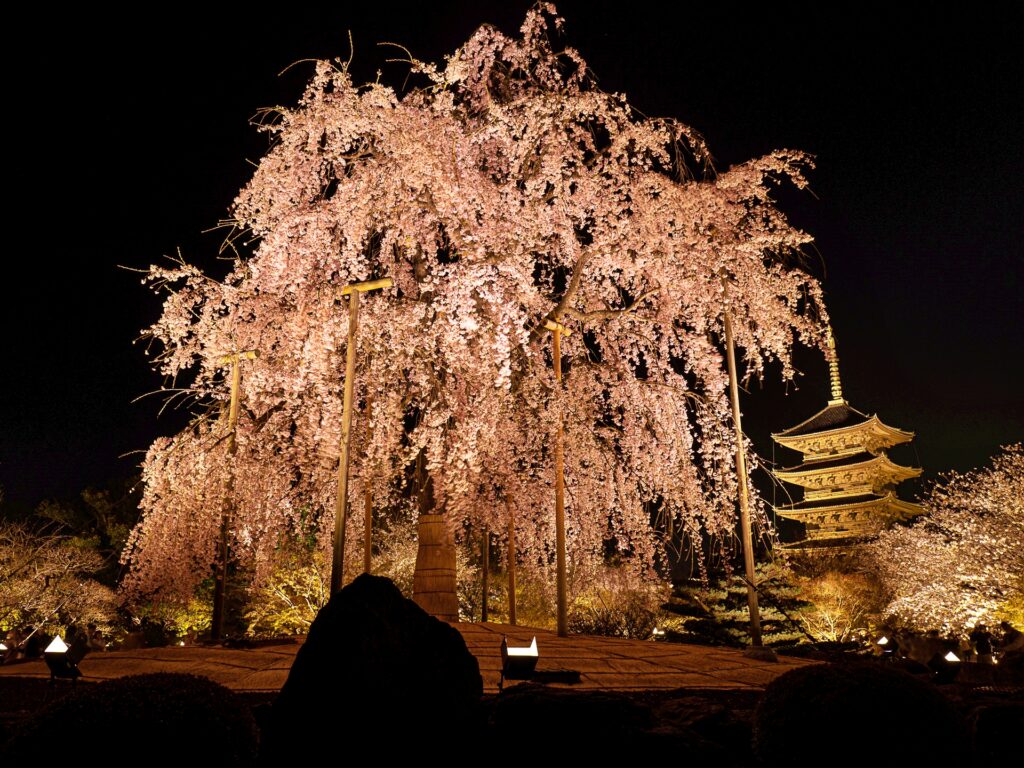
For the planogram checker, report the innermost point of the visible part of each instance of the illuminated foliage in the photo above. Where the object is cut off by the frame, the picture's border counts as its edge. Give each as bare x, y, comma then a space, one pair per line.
505, 191
287, 602
613, 602
839, 605
962, 564
174, 620
47, 578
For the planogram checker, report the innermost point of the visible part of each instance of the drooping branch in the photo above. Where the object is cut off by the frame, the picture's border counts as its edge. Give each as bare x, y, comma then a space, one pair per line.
610, 314
575, 280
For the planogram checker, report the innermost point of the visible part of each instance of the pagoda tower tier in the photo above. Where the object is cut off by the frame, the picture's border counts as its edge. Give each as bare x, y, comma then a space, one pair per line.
849, 517
824, 476
848, 480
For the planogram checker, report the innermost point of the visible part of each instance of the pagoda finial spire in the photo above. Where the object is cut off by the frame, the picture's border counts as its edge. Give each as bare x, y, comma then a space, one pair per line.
833, 369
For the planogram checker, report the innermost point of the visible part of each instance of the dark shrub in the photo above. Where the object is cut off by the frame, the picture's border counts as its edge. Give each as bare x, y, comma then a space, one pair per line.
547, 714
600, 728
376, 669
180, 718
997, 731
856, 714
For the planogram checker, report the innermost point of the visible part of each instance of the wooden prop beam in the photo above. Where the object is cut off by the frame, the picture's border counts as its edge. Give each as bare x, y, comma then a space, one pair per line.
485, 556
234, 357
369, 285
341, 503
551, 325
741, 473
557, 329
221, 576
367, 493
511, 562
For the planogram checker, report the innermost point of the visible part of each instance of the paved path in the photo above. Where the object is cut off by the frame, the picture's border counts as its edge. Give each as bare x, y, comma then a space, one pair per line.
614, 664
603, 663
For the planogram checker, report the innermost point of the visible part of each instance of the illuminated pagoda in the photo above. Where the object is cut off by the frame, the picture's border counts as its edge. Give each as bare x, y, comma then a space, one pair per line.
849, 482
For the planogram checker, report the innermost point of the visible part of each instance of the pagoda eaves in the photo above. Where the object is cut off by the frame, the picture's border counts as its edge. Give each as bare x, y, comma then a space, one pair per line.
873, 471
846, 517
817, 437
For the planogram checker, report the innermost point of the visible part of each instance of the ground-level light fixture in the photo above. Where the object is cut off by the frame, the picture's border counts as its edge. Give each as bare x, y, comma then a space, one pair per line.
62, 662
945, 668
883, 640
517, 663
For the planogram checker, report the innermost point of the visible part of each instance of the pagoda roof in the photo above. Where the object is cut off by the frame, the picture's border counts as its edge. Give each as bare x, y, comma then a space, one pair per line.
847, 503
835, 415
840, 425
882, 464
837, 544
837, 501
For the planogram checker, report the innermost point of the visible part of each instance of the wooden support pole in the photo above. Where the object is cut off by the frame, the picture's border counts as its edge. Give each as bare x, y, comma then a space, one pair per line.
341, 502
367, 494
485, 549
741, 472
221, 575
367, 530
511, 563
557, 329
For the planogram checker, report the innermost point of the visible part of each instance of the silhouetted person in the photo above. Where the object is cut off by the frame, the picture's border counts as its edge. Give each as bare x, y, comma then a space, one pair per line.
13, 642
78, 647
981, 639
95, 639
1013, 638
36, 644
1012, 647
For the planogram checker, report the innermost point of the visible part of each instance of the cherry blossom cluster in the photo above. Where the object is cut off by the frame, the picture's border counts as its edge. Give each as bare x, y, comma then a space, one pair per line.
963, 563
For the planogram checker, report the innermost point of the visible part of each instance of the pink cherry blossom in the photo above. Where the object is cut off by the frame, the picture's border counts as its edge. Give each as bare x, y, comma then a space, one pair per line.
963, 563
506, 190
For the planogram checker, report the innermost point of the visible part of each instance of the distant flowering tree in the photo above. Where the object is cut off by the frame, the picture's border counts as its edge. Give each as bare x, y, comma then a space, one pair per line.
505, 191
963, 564
48, 581
839, 605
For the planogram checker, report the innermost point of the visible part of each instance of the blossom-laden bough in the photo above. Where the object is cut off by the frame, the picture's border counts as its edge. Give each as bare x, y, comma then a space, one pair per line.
963, 564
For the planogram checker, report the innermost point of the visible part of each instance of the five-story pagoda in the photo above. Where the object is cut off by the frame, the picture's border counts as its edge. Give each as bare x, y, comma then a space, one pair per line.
849, 482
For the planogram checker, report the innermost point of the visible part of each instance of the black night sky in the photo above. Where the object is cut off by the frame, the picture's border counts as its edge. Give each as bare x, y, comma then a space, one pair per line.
124, 146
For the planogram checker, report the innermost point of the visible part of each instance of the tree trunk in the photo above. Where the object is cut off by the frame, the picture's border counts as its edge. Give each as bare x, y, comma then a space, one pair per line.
433, 583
